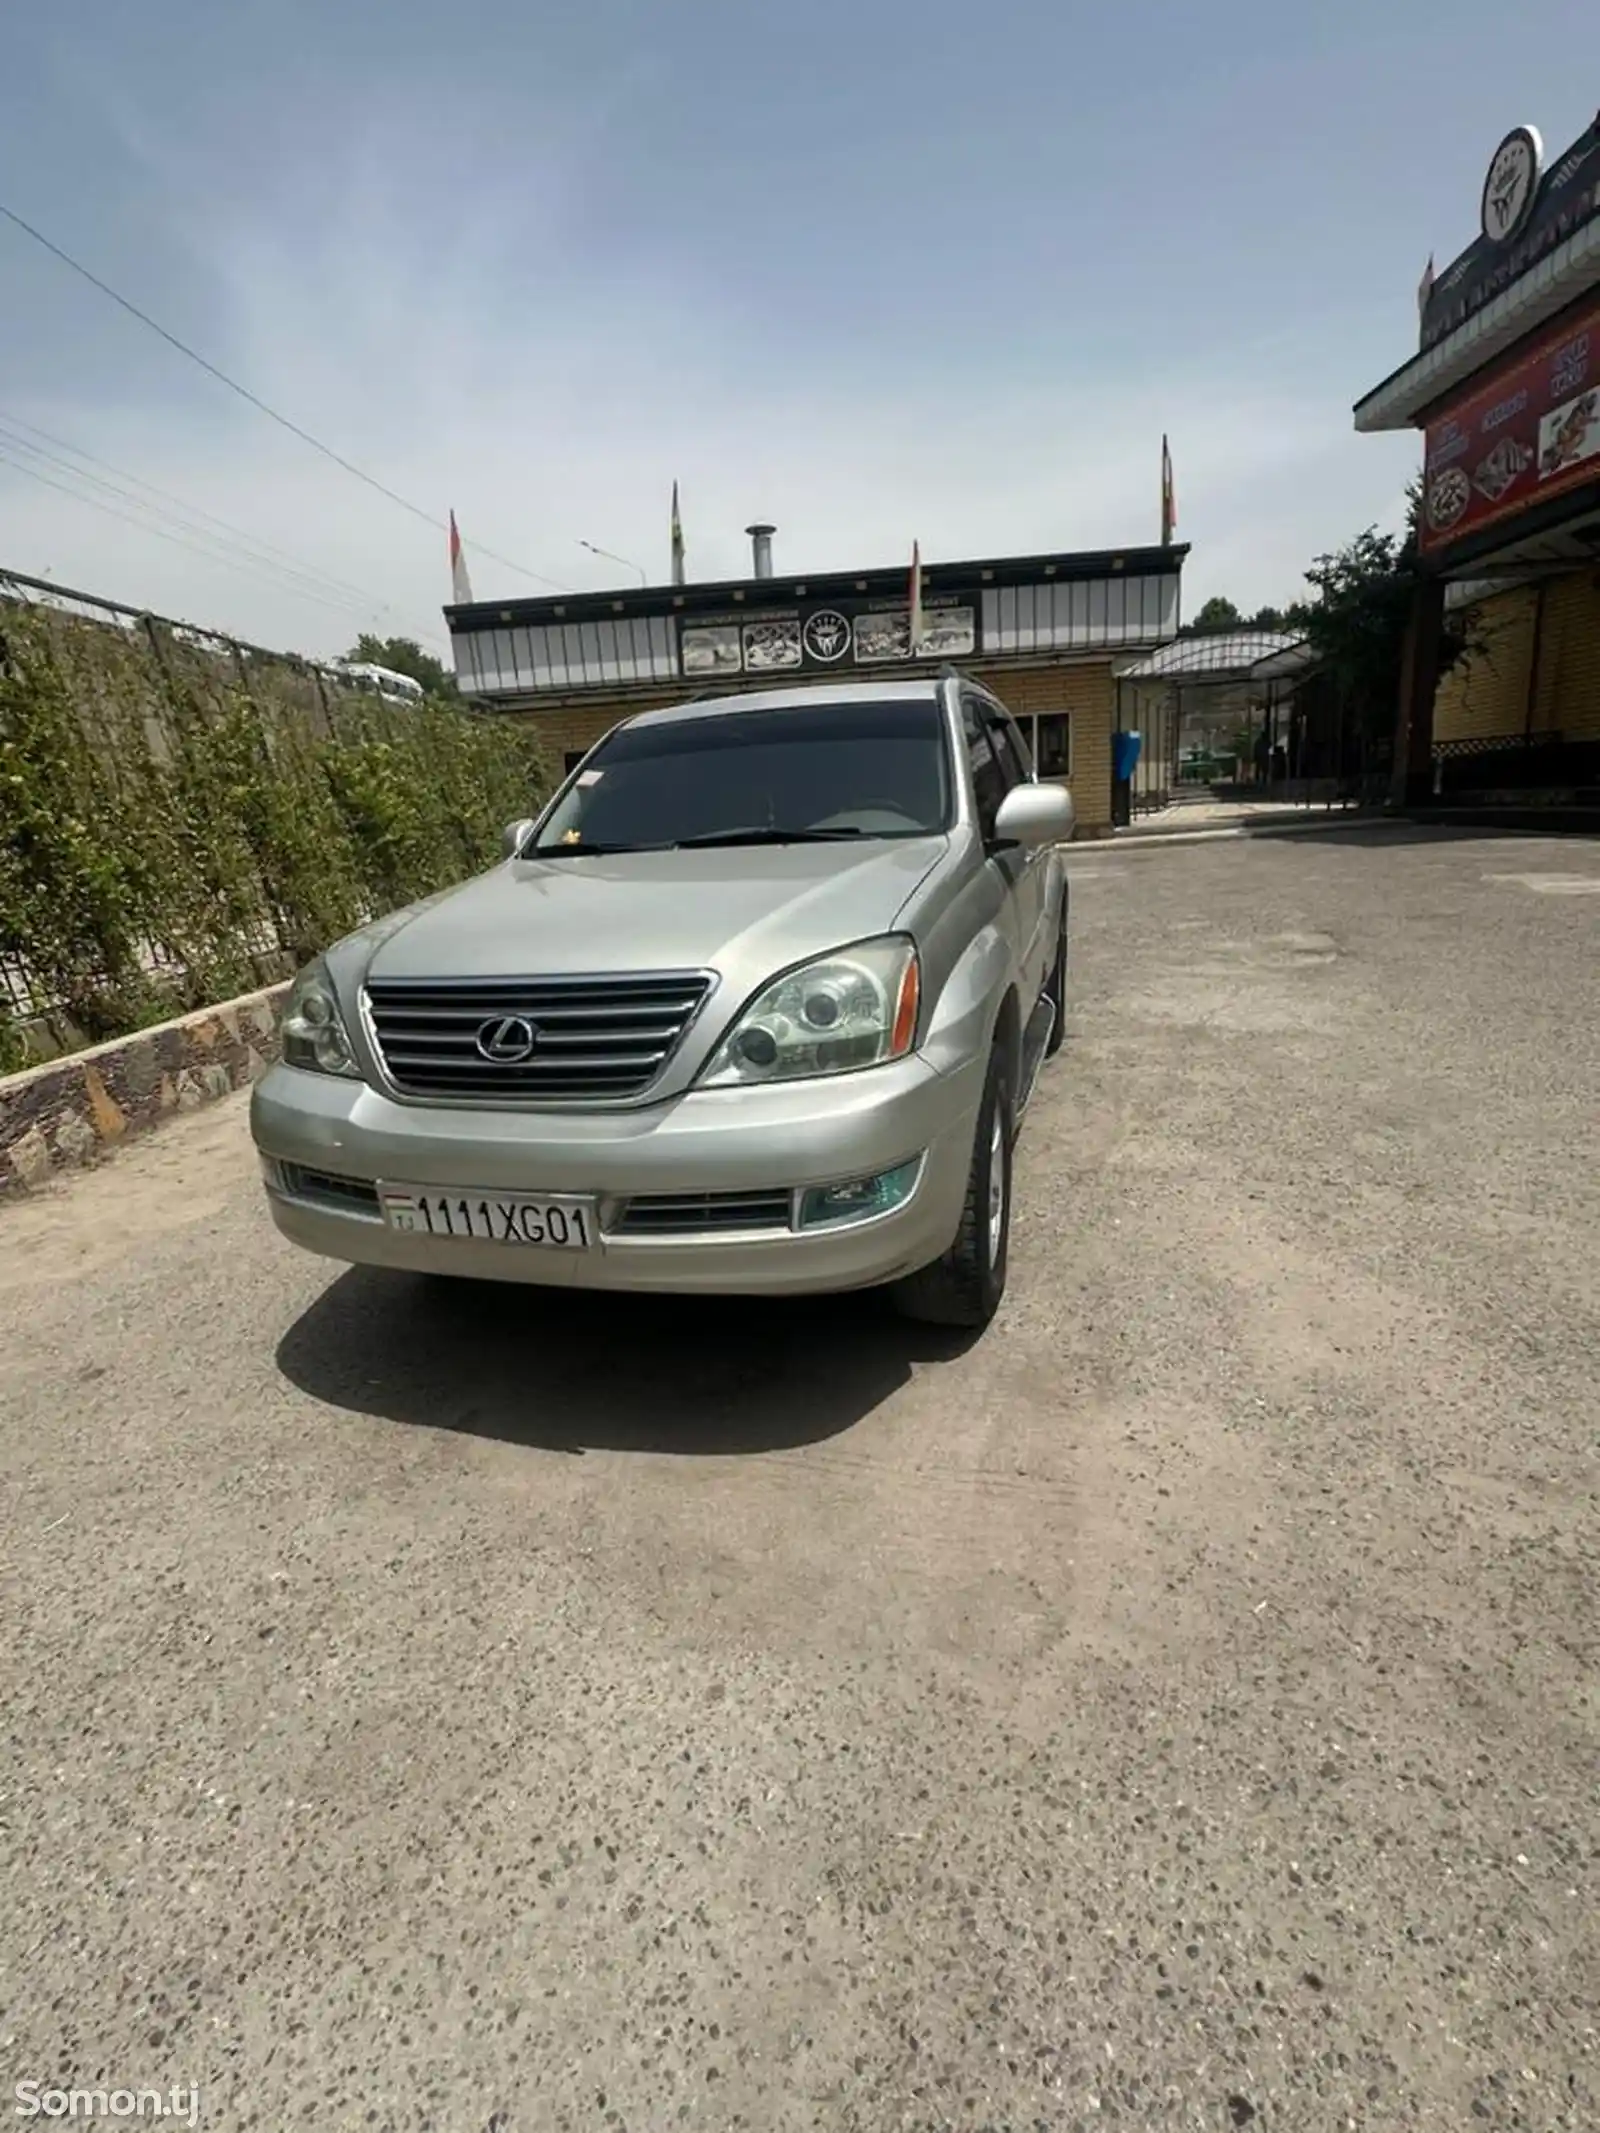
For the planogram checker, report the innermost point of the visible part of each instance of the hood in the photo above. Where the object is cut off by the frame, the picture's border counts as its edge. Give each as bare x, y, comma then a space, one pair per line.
732, 910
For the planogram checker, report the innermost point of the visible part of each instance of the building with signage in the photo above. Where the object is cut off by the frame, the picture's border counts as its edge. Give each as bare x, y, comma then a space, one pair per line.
1505, 386
1048, 633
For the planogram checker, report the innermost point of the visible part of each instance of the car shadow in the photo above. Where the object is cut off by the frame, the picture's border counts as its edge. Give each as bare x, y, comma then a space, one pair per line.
575, 1372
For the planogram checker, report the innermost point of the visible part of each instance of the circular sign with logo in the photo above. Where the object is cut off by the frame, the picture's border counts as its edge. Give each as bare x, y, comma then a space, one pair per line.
827, 635
1510, 187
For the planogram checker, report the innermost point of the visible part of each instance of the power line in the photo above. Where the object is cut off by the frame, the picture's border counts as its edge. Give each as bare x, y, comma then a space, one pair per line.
87, 488
334, 595
267, 549
221, 547
233, 544
417, 510
210, 555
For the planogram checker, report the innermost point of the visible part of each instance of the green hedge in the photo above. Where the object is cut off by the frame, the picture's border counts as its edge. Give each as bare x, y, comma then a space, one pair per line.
181, 821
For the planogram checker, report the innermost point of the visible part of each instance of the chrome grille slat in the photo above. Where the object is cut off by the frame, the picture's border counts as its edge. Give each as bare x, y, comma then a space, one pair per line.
443, 1018
598, 1037
560, 1062
449, 1040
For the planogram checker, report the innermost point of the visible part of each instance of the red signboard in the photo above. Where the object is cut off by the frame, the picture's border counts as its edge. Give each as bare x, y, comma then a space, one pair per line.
1531, 433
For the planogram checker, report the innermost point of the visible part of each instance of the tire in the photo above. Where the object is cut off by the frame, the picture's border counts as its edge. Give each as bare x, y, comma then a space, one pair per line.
1057, 987
964, 1288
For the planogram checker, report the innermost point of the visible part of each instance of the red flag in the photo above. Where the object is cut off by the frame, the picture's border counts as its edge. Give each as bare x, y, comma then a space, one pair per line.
460, 583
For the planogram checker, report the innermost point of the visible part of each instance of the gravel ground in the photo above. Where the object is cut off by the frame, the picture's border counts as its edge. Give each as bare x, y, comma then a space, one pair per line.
1178, 1709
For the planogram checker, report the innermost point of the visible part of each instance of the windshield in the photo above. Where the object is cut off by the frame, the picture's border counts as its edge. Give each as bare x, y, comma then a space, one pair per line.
760, 777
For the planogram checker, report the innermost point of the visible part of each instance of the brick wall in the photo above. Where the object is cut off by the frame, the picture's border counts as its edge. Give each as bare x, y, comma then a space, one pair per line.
1088, 694
563, 728
1086, 691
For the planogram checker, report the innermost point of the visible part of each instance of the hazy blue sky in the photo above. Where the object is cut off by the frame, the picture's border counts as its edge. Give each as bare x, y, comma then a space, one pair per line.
876, 270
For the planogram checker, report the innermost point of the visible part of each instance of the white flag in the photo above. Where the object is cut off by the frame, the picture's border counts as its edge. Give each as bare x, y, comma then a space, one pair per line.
460, 583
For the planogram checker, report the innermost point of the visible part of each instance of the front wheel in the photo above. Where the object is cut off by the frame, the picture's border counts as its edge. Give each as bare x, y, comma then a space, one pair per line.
964, 1288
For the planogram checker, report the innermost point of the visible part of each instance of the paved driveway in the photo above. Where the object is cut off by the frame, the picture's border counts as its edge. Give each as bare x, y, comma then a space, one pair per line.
1178, 1709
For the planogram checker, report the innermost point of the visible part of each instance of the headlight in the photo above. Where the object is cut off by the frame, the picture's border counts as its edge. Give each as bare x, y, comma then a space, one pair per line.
313, 1030
855, 1008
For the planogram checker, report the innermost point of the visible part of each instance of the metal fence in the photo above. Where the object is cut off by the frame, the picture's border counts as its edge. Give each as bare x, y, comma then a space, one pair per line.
318, 686
243, 807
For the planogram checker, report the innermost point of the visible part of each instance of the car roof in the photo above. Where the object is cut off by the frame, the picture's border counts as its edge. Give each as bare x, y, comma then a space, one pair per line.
814, 698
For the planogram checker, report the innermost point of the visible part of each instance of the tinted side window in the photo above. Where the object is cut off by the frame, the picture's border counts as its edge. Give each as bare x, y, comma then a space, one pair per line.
1013, 752
989, 782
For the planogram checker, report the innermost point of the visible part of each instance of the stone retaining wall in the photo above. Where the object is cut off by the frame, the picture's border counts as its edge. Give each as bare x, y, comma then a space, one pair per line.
68, 1112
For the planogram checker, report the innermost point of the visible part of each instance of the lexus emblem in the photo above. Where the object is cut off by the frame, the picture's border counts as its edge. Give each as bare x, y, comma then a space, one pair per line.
507, 1040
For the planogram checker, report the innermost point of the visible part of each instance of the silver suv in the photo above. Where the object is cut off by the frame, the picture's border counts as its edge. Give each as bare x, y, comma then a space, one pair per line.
753, 1007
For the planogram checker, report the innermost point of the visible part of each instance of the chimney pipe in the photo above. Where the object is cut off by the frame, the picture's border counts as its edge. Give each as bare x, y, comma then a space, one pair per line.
761, 548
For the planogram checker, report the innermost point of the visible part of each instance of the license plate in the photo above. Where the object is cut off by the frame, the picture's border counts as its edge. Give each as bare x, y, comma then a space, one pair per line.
489, 1218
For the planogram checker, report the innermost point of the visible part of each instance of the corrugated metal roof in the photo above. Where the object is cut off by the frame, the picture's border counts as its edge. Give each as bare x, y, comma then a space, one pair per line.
1232, 655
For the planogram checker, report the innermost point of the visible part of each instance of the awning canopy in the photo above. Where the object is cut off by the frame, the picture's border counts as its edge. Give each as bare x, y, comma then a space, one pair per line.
1562, 276
1286, 665
1228, 656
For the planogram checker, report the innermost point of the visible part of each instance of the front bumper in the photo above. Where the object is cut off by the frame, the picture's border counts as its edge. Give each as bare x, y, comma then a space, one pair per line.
708, 1141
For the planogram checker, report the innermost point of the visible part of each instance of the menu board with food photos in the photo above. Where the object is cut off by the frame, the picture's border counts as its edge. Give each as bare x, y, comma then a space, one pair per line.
1530, 434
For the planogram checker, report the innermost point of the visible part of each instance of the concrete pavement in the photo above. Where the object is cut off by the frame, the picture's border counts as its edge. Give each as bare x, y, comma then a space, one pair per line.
1177, 1709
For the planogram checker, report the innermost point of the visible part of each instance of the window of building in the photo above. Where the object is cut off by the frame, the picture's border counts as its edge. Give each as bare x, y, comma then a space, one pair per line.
1052, 744
571, 760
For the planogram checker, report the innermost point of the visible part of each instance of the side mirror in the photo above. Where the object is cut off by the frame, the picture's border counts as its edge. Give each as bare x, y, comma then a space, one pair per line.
1032, 815
514, 836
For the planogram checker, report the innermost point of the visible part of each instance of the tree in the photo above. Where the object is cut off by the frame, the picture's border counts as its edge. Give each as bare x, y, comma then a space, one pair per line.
1356, 625
403, 655
1219, 613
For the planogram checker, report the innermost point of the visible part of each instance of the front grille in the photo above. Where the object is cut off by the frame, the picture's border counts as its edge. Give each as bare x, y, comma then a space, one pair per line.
699, 1214
595, 1038
349, 1195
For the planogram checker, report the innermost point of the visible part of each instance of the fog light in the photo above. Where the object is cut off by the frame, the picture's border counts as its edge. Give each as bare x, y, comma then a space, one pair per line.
859, 1199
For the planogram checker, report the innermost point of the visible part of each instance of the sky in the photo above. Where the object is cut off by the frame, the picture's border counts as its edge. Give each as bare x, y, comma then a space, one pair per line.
874, 270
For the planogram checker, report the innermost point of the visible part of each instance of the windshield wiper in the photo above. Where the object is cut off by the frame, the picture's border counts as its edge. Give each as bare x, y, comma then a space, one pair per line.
753, 835
580, 850
765, 836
